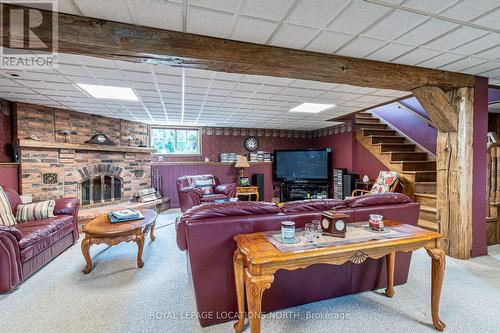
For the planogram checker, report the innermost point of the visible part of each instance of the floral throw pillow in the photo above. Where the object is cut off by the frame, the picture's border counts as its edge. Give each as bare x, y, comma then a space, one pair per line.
206, 186
385, 181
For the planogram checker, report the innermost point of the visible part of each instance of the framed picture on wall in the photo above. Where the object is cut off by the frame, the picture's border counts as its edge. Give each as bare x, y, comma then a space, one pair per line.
244, 181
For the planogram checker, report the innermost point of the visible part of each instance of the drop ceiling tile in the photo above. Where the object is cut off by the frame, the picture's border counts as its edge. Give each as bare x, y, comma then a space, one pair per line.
478, 45
456, 38
426, 32
138, 76
157, 14
469, 9
316, 13
493, 53
168, 79
329, 41
416, 56
389, 51
72, 70
487, 66
105, 73
491, 20
293, 36
462, 64
357, 17
106, 9
395, 24
361, 47
253, 30
222, 5
208, 22
271, 10
429, 6
441, 60
492, 73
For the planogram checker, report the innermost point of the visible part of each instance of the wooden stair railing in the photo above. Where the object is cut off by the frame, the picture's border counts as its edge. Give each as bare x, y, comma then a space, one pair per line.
493, 194
416, 166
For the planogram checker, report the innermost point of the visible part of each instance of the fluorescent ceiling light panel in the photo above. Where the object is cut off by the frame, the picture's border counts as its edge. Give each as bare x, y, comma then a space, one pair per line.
312, 107
109, 92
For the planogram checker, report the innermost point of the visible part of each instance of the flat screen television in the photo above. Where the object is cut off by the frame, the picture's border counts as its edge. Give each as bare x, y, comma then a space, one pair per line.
302, 165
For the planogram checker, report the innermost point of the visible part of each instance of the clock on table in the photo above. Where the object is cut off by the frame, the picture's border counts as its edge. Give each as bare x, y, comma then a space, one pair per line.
251, 143
334, 224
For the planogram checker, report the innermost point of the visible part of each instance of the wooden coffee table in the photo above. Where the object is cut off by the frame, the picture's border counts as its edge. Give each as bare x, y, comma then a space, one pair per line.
256, 260
101, 231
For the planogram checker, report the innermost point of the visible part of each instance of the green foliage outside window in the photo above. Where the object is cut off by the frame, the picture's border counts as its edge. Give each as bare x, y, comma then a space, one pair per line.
175, 141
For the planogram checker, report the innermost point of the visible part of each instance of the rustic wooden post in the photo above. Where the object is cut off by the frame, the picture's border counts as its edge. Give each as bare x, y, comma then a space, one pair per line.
453, 115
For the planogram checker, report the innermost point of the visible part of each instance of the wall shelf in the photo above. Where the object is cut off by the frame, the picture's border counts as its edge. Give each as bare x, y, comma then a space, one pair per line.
86, 147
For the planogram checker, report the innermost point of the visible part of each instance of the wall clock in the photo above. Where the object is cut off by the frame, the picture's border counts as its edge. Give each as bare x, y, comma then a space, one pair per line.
100, 139
251, 143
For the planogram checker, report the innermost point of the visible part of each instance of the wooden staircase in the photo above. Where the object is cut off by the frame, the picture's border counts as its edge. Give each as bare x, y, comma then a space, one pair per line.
416, 166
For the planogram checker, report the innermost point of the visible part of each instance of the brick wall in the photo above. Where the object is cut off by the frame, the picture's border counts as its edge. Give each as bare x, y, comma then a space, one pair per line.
46, 123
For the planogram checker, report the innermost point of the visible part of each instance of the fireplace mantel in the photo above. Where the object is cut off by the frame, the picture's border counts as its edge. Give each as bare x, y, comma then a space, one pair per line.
50, 145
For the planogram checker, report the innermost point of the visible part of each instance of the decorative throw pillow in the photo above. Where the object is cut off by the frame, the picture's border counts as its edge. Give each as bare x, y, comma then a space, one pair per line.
35, 211
206, 186
6, 216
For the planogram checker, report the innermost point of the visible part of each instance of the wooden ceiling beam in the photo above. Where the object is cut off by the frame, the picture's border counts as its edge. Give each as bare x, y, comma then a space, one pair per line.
119, 41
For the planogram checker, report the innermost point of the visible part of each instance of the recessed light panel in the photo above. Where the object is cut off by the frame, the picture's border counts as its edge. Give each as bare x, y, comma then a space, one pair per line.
312, 107
109, 92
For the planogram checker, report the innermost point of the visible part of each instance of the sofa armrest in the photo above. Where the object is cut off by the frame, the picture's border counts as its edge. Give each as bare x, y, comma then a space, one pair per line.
13, 231
69, 206
180, 228
226, 189
10, 260
189, 196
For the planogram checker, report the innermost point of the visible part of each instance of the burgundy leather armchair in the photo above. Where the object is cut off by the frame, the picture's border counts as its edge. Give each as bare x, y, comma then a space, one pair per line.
206, 234
190, 195
26, 247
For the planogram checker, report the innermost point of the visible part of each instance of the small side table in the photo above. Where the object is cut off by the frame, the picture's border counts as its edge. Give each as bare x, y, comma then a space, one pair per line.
248, 191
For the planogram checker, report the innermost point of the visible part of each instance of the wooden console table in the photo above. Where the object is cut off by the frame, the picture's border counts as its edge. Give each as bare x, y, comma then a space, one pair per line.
256, 260
248, 191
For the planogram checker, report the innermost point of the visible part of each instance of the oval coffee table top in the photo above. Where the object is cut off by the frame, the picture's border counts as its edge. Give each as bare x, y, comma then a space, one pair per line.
101, 225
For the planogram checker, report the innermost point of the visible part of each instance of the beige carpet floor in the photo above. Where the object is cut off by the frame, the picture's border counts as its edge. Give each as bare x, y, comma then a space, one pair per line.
118, 297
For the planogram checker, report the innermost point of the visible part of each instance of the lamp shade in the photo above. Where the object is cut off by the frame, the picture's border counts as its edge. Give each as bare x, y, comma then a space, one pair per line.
242, 162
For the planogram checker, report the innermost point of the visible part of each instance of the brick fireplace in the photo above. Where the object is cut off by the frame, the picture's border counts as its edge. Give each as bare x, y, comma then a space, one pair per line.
97, 174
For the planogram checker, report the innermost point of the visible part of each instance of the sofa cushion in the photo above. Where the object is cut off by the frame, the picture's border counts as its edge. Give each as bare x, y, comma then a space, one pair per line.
239, 208
35, 231
376, 199
14, 199
212, 197
314, 205
35, 211
192, 179
6, 217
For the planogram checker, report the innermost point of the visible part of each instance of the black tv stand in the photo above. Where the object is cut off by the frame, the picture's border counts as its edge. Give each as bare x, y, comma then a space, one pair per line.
302, 190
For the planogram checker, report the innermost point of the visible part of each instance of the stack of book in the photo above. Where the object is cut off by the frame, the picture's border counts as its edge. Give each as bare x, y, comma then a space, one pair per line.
260, 156
125, 215
228, 157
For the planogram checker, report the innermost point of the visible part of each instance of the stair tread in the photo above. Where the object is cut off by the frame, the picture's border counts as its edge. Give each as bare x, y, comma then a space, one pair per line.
432, 225
428, 209
427, 195
426, 183
402, 152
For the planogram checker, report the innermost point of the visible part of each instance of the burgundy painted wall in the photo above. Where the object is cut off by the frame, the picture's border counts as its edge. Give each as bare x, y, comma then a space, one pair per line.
9, 176
225, 172
367, 164
409, 124
479, 142
5, 132
342, 145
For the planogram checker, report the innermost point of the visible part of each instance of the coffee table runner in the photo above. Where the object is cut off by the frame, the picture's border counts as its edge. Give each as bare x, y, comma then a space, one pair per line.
355, 233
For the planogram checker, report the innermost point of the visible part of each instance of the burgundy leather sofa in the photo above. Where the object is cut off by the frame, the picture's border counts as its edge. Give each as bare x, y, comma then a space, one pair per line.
190, 196
207, 231
28, 246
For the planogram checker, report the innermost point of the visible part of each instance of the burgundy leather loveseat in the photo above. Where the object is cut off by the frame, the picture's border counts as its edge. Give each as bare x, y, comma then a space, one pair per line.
190, 195
207, 231
28, 246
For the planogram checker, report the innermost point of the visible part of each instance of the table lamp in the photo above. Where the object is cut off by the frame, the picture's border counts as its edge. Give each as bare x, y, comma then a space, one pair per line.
241, 163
